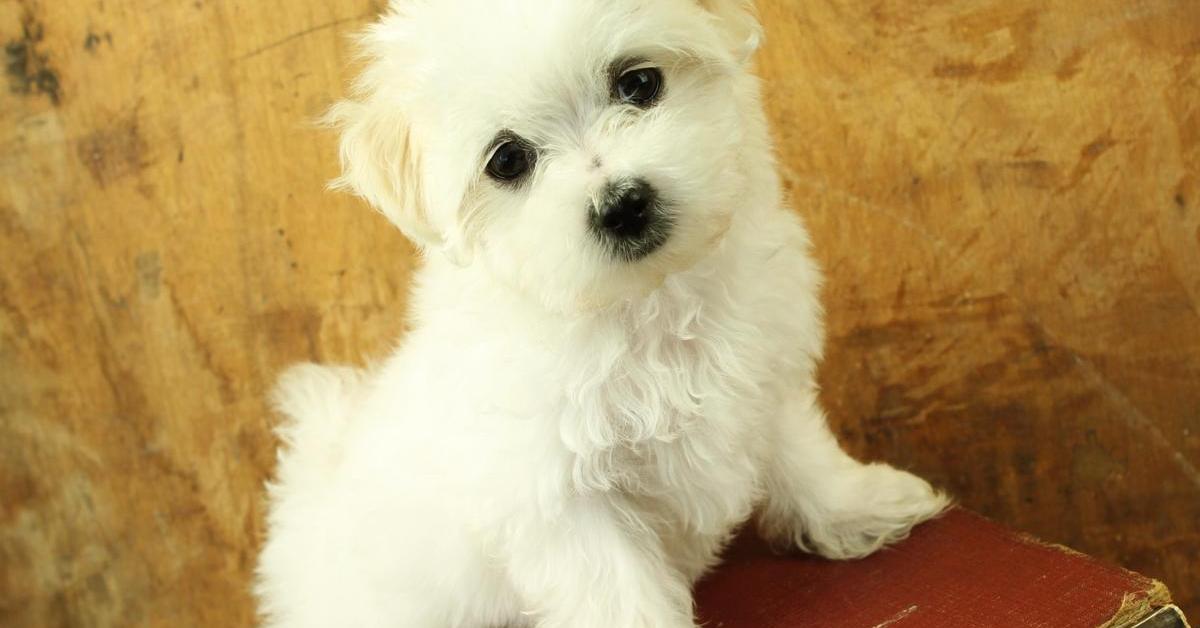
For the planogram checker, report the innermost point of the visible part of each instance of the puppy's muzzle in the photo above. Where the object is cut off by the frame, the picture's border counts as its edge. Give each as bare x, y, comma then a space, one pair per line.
630, 219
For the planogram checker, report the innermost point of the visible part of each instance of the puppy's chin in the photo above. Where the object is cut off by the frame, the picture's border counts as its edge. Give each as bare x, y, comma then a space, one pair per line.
624, 281
604, 287
603, 296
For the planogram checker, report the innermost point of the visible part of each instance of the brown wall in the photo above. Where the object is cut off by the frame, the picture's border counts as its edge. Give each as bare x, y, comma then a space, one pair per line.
1005, 194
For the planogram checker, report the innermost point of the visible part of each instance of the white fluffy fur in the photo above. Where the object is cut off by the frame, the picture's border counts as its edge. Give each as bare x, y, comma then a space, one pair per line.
565, 440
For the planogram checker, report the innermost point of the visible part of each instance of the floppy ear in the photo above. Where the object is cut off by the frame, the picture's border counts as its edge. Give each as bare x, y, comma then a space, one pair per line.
382, 164
739, 25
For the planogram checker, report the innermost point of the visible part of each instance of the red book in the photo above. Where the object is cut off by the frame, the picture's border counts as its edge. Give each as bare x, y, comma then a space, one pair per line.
960, 571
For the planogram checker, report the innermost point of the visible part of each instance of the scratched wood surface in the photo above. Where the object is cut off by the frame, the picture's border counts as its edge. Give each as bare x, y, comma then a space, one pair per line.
1005, 195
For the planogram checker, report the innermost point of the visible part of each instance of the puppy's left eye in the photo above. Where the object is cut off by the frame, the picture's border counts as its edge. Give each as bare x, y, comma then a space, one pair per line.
640, 87
511, 160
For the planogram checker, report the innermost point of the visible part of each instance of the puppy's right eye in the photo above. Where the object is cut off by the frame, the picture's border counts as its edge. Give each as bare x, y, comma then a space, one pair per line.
510, 161
639, 87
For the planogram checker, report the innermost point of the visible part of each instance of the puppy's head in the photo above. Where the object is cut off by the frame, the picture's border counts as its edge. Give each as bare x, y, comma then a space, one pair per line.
581, 150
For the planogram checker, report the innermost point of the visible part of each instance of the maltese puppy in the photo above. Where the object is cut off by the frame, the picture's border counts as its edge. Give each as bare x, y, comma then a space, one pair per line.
615, 331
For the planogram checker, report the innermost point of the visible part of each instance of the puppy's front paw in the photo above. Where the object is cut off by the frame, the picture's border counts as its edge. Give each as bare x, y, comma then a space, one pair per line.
875, 506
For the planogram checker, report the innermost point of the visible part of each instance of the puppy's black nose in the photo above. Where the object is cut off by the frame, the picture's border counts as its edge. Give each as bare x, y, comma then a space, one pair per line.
628, 209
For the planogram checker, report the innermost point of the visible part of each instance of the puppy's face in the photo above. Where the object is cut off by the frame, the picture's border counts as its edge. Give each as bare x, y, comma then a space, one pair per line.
582, 150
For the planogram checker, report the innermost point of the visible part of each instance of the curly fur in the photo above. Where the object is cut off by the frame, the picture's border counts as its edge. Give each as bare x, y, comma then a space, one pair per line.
565, 438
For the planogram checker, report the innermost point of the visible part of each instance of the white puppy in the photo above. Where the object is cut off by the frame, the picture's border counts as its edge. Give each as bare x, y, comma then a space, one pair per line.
615, 331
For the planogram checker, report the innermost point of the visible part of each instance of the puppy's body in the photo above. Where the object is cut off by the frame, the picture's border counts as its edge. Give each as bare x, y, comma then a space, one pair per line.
575, 455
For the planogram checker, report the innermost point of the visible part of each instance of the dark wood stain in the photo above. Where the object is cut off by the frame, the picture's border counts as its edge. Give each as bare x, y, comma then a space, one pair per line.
28, 69
114, 151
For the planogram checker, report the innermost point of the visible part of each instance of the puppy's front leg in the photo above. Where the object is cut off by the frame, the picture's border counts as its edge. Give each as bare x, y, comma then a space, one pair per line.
821, 499
592, 565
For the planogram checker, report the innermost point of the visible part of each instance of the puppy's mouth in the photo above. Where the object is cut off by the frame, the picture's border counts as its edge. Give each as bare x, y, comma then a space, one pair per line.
631, 249
631, 220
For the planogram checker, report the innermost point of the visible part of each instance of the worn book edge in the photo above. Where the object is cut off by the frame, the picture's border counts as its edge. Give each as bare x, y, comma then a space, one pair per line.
1136, 605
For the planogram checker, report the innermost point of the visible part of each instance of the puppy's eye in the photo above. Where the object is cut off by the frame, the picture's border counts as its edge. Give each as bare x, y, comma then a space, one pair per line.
639, 86
511, 160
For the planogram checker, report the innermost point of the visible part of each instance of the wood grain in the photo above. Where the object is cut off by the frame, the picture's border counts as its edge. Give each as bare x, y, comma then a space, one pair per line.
1005, 195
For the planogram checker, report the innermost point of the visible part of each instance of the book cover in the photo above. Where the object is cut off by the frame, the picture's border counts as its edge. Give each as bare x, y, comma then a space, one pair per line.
960, 570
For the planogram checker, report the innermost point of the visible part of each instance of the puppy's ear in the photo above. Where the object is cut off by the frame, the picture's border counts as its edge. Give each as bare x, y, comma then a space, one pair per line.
739, 25
381, 162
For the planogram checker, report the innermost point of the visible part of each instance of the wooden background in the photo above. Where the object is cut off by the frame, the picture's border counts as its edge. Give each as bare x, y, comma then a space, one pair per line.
1005, 194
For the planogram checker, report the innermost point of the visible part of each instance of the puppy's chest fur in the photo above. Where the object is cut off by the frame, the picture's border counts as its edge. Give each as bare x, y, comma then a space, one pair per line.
665, 406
